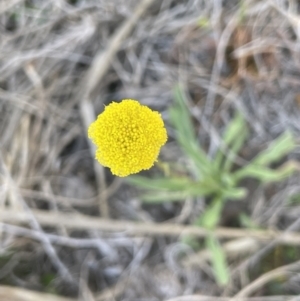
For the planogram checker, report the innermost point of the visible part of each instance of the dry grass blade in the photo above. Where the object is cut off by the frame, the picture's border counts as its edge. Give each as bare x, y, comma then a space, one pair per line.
63, 270
112, 292
19, 294
258, 283
232, 248
103, 59
209, 298
81, 222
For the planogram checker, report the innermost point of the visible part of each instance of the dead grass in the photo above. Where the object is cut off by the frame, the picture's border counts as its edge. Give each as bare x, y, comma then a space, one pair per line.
60, 62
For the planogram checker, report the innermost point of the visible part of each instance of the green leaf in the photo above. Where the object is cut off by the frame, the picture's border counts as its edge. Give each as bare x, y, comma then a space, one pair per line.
191, 241
264, 174
172, 196
159, 183
185, 133
47, 279
294, 199
234, 193
234, 150
234, 137
183, 118
165, 196
242, 12
218, 260
203, 22
171, 189
282, 146
257, 168
246, 221
211, 216
192, 190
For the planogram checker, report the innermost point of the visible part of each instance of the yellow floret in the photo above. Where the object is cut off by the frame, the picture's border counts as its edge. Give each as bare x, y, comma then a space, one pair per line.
128, 137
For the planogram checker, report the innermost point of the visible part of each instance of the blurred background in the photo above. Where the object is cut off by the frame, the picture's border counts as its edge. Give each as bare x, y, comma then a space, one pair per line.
217, 218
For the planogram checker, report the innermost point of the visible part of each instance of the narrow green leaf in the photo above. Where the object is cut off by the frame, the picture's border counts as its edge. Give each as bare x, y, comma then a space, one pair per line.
194, 152
191, 241
185, 133
183, 115
282, 146
158, 183
234, 193
165, 196
264, 174
193, 190
235, 148
203, 22
218, 260
231, 136
246, 221
211, 216
171, 189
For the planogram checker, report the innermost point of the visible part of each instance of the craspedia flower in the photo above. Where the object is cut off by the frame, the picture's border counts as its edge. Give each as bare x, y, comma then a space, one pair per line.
128, 137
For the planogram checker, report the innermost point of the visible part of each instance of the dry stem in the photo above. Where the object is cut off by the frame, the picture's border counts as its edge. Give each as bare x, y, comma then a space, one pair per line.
81, 222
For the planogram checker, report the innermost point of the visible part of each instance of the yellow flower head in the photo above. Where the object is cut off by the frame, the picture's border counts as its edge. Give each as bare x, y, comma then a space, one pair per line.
128, 137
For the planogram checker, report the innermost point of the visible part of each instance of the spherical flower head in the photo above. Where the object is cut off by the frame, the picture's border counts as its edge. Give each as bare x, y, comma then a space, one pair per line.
128, 137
